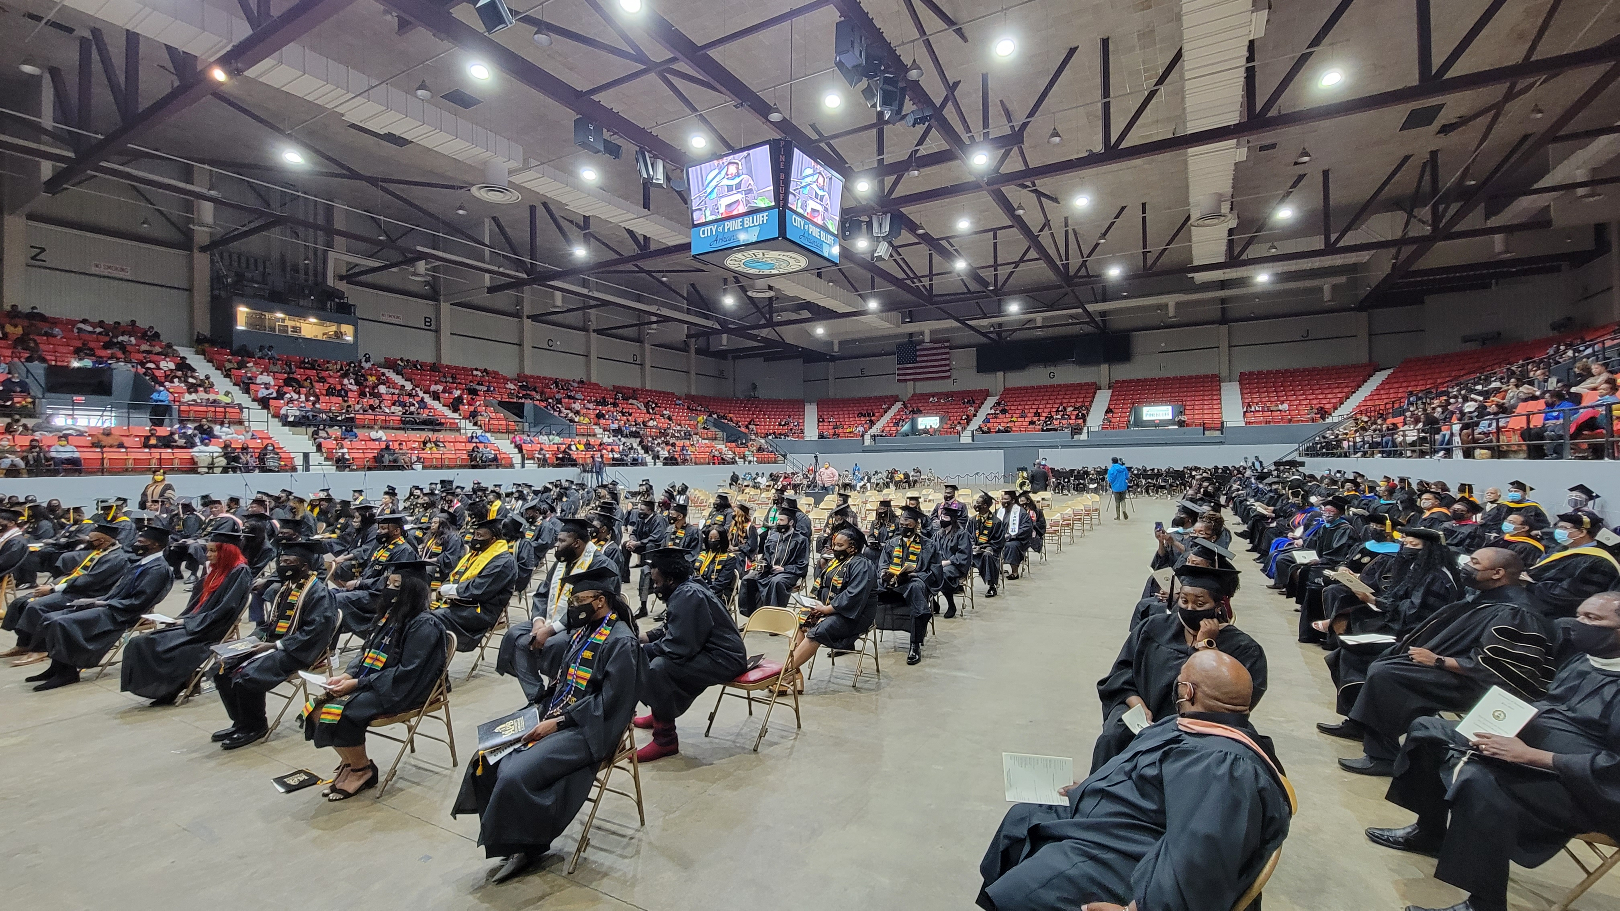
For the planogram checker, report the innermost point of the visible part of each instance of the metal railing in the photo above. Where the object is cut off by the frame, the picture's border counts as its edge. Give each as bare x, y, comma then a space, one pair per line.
1591, 437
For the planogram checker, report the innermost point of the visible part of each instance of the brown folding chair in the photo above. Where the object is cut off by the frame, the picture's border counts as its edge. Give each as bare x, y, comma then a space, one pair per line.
1601, 865
495, 634
768, 676
436, 707
1252, 894
865, 647
195, 686
622, 760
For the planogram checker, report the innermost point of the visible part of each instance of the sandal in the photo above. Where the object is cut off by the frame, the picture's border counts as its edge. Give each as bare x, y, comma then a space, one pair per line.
327, 791
338, 793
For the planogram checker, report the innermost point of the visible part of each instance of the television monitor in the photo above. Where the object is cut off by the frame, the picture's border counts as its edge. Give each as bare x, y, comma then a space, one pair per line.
734, 184
1158, 412
93, 381
815, 191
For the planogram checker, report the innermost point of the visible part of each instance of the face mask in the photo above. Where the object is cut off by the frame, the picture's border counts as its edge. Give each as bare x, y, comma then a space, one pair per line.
1561, 535
1514, 496
285, 572
1410, 553
1470, 576
579, 614
1507, 528
1191, 619
1590, 639
781, 529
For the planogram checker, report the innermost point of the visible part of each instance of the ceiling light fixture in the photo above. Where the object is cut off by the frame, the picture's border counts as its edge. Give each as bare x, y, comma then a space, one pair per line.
960, 265
1054, 137
728, 299
1005, 47
861, 243
422, 90
218, 73
588, 174
31, 67
915, 73
478, 71
1304, 157
630, 6
1019, 210
1082, 201
832, 100
964, 223
820, 331
541, 36
862, 185
872, 304
581, 252
1285, 212
292, 156
1331, 78
1264, 278
1115, 271
1012, 307
1271, 248
980, 158
461, 210
698, 141
775, 116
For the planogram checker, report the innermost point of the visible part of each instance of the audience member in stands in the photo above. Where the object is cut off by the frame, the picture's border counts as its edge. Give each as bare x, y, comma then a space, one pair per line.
64, 456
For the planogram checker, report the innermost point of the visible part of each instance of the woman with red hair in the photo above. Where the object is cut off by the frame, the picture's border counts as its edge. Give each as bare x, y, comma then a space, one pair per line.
159, 665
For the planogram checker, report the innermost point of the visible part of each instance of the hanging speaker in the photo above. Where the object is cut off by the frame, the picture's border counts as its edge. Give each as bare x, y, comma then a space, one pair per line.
493, 14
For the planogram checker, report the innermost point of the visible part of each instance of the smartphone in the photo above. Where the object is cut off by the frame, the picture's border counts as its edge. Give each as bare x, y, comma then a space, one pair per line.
1158, 527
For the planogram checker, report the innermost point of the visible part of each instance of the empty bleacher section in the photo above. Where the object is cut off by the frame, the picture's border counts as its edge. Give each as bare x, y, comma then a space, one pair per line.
849, 419
781, 418
1200, 396
1030, 409
954, 409
1299, 395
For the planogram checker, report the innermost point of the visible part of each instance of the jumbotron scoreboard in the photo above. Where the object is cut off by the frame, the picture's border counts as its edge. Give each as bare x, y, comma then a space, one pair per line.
765, 210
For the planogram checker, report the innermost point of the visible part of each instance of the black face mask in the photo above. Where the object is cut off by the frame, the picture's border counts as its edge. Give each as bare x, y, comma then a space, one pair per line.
285, 572
1409, 553
579, 614
781, 529
1469, 575
1590, 639
1192, 619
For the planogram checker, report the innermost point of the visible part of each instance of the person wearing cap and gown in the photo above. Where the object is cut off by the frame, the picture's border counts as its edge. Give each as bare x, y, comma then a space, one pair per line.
988, 536
1463, 533
1144, 673
300, 626
1200, 553
355, 597
883, 528
1517, 537
1019, 530
79, 575
475, 593
784, 558
845, 591
1495, 637
908, 574
394, 671
521, 653
1517, 500
597, 668
13, 543
1184, 819
953, 545
111, 512
720, 511
718, 567
647, 531
1580, 568
604, 526
80, 636
158, 665
697, 647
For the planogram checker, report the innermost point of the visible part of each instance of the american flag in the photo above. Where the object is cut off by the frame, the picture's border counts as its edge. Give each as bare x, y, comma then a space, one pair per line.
915, 363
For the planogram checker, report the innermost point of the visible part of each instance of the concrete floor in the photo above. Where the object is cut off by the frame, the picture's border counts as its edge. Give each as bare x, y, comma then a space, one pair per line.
886, 798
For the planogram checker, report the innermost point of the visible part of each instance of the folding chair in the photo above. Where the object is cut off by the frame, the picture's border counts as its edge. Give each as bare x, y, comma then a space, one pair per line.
195, 686
438, 701
623, 760
114, 653
1252, 894
865, 645
769, 675
495, 633
8, 589
1601, 866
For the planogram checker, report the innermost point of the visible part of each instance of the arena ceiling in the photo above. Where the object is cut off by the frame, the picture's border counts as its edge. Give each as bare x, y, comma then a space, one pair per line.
1375, 146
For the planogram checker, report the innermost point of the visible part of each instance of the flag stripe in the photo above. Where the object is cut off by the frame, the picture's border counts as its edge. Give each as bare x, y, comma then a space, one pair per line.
915, 362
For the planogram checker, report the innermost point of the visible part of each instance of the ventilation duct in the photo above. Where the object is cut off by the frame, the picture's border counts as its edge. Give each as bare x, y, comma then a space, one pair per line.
494, 188
1209, 211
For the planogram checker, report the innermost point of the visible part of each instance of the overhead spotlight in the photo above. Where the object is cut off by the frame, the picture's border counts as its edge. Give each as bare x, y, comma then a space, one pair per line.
588, 174
911, 169
581, 252
630, 6
964, 223
1331, 78
960, 265
478, 71
915, 73
980, 158
542, 37
1013, 306
1264, 278
422, 90
218, 74
821, 330
728, 299
1284, 213
872, 304
1054, 137
1019, 210
1537, 112
146, 223
31, 67
1115, 271
862, 185
1304, 157
861, 243
832, 100
292, 156
1102, 239
1005, 46
775, 116
493, 15
1271, 248
461, 210
1082, 201
698, 141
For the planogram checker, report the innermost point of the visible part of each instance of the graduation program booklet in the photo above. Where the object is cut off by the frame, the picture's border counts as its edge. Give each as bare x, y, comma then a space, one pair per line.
1498, 712
315, 680
1350, 580
1303, 556
235, 647
1367, 639
1036, 779
1163, 576
296, 781
1136, 719
507, 729
159, 619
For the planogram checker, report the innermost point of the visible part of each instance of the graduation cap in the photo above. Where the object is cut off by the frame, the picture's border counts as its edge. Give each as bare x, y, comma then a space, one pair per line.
1520, 485
679, 508
390, 491
1426, 535
952, 487
10, 515
791, 503
1222, 582
1585, 491
855, 535
370, 506
603, 579
227, 537
295, 498
885, 504
417, 568
1465, 490
579, 527
108, 529
1218, 552
912, 512
154, 533
498, 526
1468, 503
606, 518
392, 518
1584, 519
1191, 506
844, 511
721, 499
662, 557
308, 550
911, 496
1337, 502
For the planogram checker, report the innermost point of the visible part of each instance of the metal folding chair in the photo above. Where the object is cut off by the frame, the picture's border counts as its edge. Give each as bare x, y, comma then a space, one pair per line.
1252, 894
622, 760
1601, 865
436, 707
769, 675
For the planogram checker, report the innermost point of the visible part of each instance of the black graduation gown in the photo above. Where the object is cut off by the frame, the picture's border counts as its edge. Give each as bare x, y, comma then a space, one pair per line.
850, 589
299, 647
697, 647
26, 614
1397, 612
1502, 812
1148, 665
515, 658
158, 665
908, 600
792, 553
13, 553
356, 604
83, 637
953, 550
1529, 550
988, 535
1397, 689
1177, 822
479, 601
1559, 583
403, 682
719, 573
528, 798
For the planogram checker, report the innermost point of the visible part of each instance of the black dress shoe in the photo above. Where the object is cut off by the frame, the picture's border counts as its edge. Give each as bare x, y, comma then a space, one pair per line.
516, 865
46, 674
242, 739
915, 655
950, 612
55, 681
990, 593
1366, 765
640, 613
1412, 839
223, 735
1346, 729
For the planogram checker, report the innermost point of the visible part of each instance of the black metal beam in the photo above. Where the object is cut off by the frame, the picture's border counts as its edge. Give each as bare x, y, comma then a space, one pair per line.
109, 69
299, 19
1467, 40
1141, 108
1371, 200
1303, 58
1401, 97
353, 274
242, 234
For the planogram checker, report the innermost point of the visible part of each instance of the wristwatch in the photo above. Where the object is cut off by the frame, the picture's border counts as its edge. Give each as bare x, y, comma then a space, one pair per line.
1206, 643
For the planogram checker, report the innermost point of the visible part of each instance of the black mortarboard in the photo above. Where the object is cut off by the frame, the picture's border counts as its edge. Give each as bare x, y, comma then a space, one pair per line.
596, 579
913, 512
418, 568
1339, 503
722, 499
1468, 503
392, 518
856, 536
666, 556
1584, 491
885, 504
226, 537
1520, 485
309, 550
678, 508
1214, 549
1584, 519
10, 515
155, 533
1218, 581
579, 527
109, 529
1426, 535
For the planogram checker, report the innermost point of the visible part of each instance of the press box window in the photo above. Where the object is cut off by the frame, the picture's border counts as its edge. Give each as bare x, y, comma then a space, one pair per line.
297, 326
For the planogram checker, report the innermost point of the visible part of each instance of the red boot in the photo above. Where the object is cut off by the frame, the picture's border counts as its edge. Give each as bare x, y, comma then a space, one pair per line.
643, 722
664, 743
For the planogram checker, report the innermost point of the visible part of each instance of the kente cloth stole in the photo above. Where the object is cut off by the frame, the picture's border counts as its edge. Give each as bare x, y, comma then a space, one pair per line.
832, 581
561, 593
707, 562
583, 649
985, 525
288, 605
907, 551
85, 565
330, 710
